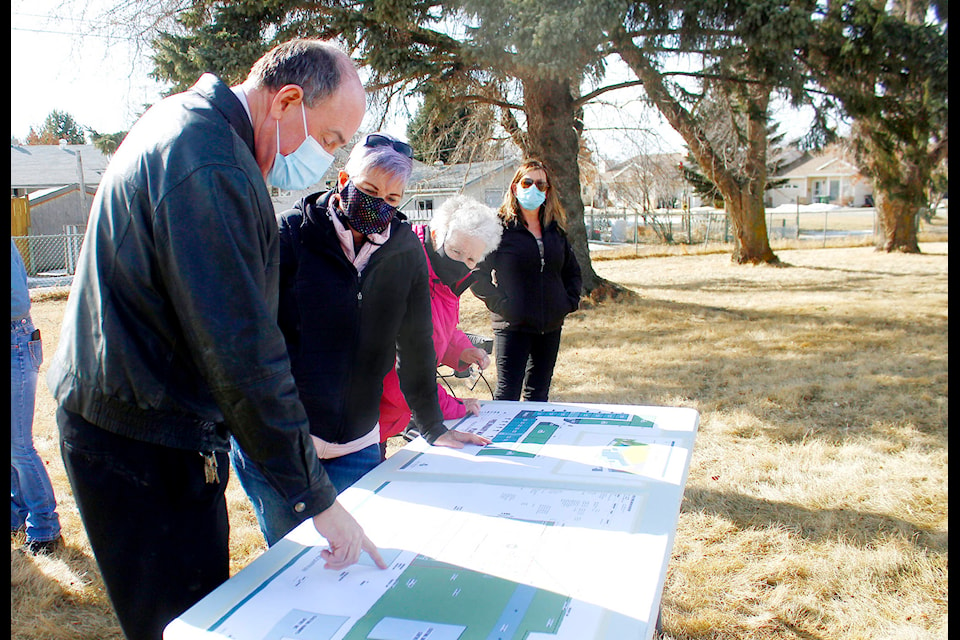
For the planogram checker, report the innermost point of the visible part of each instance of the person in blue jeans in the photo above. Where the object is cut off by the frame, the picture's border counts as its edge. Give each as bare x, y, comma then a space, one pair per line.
33, 506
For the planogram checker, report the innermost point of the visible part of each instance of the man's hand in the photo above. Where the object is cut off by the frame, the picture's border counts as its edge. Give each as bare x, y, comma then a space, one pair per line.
475, 355
456, 439
345, 537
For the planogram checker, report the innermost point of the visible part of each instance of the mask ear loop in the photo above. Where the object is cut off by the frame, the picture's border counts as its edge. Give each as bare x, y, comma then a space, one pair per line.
303, 110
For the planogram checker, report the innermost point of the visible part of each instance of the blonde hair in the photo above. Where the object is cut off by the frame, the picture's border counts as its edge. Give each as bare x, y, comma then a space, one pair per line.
550, 211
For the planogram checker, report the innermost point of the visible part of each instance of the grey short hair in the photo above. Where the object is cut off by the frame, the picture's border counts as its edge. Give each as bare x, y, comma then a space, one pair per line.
469, 217
313, 65
386, 158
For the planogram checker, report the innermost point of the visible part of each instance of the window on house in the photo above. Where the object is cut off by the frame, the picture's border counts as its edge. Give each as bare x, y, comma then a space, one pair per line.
424, 208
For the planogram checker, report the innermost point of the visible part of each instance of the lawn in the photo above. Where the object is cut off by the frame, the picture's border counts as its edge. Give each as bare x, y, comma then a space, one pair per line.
816, 505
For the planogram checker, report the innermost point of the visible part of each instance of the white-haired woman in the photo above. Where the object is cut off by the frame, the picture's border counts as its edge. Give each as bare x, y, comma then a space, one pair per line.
354, 300
461, 233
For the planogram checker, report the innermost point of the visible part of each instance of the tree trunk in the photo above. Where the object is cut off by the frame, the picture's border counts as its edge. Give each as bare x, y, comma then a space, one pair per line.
751, 243
898, 223
552, 138
744, 203
743, 198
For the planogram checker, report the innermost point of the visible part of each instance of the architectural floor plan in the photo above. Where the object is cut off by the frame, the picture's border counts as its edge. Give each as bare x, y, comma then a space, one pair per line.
560, 529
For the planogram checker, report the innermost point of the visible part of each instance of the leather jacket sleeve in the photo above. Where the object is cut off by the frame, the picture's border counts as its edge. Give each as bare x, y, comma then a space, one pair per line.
221, 271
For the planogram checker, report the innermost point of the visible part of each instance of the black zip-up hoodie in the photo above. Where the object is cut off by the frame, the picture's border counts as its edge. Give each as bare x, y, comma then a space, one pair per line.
523, 291
345, 331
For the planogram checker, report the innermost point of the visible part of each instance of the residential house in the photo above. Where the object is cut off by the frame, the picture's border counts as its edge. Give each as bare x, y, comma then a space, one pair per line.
431, 185
654, 182
428, 187
59, 182
51, 191
644, 182
829, 177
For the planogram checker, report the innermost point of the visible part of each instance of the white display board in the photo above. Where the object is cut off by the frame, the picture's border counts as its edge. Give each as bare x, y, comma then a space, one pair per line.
560, 529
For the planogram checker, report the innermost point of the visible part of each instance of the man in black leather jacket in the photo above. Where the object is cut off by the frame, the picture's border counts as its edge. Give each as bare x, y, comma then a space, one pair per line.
170, 341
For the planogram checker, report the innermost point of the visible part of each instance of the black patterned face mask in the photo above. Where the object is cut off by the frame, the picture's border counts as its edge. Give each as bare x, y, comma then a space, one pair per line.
365, 213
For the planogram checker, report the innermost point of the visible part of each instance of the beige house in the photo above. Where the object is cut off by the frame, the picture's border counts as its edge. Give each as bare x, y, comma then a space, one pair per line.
828, 177
655, 182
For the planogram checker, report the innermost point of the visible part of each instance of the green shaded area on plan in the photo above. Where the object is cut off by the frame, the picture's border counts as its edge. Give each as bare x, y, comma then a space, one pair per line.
622, 420
485, 606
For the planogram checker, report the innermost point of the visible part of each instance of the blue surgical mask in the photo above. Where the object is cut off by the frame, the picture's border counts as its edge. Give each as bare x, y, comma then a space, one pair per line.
302, 168
530, 198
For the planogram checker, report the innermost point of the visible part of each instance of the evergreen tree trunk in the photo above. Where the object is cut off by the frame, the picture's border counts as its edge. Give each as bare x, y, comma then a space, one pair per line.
747, 214
744, 203
552, 138
898, 223
743, 199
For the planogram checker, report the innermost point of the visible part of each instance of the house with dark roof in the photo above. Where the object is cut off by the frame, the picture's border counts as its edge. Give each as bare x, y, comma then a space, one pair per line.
431, 185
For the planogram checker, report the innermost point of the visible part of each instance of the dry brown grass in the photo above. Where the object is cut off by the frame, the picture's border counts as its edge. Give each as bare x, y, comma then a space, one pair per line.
816, 505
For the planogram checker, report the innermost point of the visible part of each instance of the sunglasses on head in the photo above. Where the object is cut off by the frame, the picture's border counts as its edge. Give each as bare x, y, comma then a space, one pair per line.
526, 183
378, 140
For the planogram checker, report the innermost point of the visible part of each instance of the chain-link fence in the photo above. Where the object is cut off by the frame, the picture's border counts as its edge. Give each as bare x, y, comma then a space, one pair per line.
705, 225
49, 259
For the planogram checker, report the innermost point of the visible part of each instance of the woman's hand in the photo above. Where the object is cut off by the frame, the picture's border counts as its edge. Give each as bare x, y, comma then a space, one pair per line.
475, 355
456, 439
472, 405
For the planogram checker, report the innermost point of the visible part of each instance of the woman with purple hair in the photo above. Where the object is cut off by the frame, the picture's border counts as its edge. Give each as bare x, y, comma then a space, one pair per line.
354, 301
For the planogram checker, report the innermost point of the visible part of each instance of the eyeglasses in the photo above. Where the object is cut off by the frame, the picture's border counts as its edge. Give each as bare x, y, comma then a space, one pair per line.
526, 183
378, 140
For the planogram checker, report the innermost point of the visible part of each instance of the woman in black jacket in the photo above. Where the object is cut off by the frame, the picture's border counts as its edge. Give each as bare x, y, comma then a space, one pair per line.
354, 303
529, 284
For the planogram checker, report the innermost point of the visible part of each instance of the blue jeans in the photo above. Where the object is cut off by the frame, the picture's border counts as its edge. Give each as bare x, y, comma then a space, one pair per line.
32, 503
272, 511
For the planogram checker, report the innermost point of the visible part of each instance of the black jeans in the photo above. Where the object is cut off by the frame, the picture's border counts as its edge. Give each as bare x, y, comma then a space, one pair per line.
158, 530
525, 363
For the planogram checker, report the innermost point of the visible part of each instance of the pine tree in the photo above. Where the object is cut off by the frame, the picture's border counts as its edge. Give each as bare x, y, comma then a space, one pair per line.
59, 125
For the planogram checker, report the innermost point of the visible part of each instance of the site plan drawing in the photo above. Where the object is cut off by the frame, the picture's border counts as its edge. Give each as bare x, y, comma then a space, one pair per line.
585, 444
559, 530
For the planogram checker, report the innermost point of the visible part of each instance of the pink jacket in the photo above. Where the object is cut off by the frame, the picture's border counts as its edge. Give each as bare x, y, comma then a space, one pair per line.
448, 341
